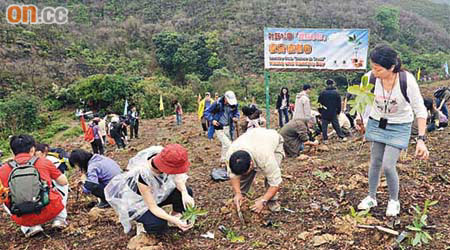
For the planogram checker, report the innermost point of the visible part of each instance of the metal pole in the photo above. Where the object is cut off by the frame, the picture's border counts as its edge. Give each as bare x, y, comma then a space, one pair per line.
266, 82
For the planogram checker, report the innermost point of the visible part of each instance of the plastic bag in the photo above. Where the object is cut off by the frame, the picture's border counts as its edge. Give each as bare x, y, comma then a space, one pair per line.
219, 174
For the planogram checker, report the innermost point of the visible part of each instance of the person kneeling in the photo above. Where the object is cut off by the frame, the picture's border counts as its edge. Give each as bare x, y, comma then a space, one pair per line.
257, 150
157, 178
98, 170
32, 199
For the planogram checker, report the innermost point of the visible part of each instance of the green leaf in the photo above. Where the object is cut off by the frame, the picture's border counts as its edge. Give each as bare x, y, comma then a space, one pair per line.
416, 239
414, 228
352, 212
427, 235
238, 239
423, 219
433, 203
424, 238
364, 79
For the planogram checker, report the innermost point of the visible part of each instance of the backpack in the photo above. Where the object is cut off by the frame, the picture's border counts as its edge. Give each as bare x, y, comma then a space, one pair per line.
403, 84
89, 135
439, 92
27, 192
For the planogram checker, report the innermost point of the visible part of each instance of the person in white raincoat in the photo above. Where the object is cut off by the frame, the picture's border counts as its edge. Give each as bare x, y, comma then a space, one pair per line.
156, 177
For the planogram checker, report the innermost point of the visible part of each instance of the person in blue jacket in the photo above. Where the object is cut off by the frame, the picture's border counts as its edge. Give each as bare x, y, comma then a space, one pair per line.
222, 113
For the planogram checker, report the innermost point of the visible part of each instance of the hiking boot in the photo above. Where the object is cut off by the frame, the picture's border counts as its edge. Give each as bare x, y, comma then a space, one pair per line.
274, 206
367, 203
103, 204
32, 231
59, 224
393, 208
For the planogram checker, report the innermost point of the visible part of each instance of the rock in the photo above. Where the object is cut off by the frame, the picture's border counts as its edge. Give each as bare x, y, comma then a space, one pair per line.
143, 240
324, 148
303, 157
304, 235
322, 239
94, 214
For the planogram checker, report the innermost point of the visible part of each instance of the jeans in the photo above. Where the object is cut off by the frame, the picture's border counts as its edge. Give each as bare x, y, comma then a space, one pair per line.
179, 120
156, 225
119, 141
134, 128
97, 146
444, 106
336, 127
283, 112
205, 124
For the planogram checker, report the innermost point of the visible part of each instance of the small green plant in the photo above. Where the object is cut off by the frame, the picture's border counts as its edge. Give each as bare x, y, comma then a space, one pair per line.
322, 175
419, 224
364, 96
234, 238
358, 216
191, 213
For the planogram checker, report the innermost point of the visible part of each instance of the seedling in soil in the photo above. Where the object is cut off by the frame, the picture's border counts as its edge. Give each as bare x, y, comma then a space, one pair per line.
419, 224
231, 235
191, 213
323, 175
358, 216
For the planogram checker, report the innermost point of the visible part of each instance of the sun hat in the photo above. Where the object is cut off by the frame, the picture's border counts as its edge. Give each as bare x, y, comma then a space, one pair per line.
173, 159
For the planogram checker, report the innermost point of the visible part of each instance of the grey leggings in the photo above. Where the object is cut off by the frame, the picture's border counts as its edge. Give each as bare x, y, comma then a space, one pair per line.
384, 156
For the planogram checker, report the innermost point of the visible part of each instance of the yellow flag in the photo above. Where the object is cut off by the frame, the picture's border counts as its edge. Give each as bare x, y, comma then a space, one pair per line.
418, 75
161, 104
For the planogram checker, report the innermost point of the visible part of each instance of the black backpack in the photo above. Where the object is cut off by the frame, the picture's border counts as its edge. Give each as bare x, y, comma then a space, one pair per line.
27, 192
403, 84
439, 93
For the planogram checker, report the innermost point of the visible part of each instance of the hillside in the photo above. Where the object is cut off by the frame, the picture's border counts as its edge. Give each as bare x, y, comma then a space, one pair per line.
316, 205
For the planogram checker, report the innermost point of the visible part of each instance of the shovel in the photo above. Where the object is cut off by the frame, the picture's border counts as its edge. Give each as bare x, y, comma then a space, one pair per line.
241, 217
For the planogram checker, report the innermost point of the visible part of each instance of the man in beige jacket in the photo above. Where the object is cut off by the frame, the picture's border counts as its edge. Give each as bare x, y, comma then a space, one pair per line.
257, 150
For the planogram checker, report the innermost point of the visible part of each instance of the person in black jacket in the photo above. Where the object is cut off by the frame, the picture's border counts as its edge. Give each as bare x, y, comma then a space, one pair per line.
331, 102
283, 106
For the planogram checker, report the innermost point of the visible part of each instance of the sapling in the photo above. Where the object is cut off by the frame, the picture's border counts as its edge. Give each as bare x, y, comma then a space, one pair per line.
364, 97
419, 224
191, 213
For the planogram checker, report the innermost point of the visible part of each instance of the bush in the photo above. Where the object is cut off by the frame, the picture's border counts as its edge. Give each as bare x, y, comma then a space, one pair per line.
19, 112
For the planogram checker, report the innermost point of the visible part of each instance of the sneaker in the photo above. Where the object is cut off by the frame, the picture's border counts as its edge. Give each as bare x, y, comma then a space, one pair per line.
393, 208
274, 206
343, 139
325, 142
32, 231
367, 203
103, 204
59, 224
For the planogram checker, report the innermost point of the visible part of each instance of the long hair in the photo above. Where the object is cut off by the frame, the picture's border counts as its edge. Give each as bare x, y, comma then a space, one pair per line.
81, 158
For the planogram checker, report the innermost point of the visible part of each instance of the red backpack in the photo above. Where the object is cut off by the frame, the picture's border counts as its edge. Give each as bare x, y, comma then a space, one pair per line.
89, 134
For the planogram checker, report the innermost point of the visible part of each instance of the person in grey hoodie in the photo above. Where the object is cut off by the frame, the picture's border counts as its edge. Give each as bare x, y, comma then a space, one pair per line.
302, 105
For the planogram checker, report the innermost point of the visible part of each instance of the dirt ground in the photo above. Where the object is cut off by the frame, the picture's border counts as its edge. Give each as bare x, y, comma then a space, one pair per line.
315, 212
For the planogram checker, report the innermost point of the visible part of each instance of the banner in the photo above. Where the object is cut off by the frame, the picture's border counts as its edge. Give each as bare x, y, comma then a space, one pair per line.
287, 49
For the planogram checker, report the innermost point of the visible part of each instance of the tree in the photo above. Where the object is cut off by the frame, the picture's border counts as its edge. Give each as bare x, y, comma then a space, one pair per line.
388, 18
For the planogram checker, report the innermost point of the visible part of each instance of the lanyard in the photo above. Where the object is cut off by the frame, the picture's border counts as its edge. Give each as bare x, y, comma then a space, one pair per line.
386, 102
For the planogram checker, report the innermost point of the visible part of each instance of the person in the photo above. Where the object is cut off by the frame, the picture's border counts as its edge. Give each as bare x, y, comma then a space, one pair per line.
331, 107
216, 96
344, 123
97, 144
98, 170
258, 150
203, 105
295, 135
58, 156
283, 106
222, 113
133, 117
302, 105
253, 118
23, 148
157, 177
389, 124
178, 111
441, 101
116, 131
1, 155
102, 129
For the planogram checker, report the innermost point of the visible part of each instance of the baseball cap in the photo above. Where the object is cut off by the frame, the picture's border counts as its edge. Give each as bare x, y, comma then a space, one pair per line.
230, 97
